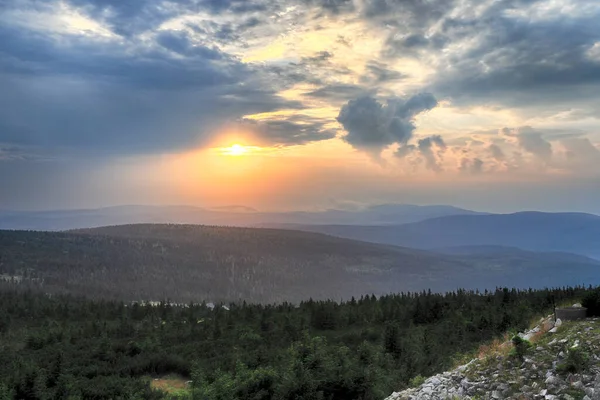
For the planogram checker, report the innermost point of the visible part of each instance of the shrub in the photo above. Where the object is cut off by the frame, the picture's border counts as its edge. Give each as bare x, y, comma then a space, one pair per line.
416, 381
577, 360
591, 301
521, 346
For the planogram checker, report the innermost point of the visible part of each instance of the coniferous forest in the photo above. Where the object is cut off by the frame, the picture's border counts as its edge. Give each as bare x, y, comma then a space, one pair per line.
63, 347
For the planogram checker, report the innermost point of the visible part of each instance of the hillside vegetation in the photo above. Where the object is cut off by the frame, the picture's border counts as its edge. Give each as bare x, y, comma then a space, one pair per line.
560, 361
193, 263
55, 347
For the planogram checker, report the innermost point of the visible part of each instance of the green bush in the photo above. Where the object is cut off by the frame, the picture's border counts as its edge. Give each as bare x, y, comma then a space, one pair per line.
577, 360
521, 346
591, 301
417, 381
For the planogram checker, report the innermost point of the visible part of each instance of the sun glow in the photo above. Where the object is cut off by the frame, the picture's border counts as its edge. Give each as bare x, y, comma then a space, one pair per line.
235, 150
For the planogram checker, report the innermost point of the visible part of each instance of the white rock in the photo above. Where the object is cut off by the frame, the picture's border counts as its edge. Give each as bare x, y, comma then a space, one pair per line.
578, 385
434, 381
558, 322
577, 305
427, 390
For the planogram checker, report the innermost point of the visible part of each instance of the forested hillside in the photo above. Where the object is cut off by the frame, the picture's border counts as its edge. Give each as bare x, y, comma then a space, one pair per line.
55, 347
193, 263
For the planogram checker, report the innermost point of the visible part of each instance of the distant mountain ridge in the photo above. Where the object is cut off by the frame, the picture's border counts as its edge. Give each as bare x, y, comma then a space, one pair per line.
192, 263
236, 215
535, 231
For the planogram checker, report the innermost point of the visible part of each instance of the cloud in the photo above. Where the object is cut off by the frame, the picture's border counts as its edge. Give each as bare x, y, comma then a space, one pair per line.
582, 152
534, 143
371, 126
337, 92
432, 158
496, 152
507, 54
110, 95
378, 73
287, 132
132, 18
471, 166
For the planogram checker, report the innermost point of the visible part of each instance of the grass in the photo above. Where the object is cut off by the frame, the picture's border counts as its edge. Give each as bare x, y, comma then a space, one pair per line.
174, 385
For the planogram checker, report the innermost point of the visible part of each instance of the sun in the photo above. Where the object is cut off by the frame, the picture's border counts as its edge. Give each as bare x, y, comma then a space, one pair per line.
235, 150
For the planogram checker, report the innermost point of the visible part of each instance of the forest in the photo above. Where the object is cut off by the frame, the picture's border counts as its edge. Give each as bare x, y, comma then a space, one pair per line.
66, 347
224, 264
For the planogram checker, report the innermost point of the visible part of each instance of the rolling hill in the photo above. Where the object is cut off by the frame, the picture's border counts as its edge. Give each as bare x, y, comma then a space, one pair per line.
195, 263
535, 231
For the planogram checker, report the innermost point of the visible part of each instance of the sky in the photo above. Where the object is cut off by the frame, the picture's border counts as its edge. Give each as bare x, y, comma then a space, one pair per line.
300, 104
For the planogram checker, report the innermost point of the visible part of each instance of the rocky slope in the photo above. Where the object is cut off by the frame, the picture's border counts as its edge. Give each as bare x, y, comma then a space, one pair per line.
559, 361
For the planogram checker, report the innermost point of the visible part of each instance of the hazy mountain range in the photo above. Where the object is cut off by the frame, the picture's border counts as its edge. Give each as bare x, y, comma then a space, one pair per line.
194, 263
230, 215
536, 231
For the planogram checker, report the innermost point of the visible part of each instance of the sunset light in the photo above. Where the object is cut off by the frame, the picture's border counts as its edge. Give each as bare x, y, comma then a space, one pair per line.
216, 191
235, 150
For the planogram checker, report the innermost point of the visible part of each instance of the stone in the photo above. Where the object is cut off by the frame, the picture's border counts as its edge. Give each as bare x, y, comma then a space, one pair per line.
434, 381
578, 385
558, 322
552, 380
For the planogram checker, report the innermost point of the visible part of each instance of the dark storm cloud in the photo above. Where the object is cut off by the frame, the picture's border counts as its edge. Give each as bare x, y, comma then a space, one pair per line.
372, 126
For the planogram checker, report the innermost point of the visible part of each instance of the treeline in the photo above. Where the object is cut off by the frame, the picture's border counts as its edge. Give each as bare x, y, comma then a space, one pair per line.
61, 347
